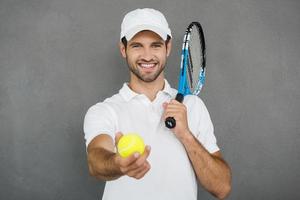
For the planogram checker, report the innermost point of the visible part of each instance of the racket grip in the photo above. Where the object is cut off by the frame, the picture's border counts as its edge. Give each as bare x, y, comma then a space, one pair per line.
170, 121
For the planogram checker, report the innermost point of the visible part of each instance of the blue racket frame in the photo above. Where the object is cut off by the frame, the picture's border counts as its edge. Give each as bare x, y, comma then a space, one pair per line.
183, 86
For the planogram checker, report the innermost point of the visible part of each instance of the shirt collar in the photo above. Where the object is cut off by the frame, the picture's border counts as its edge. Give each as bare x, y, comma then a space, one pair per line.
129, 94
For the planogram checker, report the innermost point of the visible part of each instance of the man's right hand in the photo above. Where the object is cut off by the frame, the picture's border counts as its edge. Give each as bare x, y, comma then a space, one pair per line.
136, 165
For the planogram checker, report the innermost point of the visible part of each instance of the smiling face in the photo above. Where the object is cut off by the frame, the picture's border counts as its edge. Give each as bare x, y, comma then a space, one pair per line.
146, 54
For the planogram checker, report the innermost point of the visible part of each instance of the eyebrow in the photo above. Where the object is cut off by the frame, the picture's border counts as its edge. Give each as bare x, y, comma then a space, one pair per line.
153, 43
158, 42
135, 43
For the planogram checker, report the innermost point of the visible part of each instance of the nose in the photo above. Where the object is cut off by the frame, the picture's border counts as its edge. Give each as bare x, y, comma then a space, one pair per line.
147, 54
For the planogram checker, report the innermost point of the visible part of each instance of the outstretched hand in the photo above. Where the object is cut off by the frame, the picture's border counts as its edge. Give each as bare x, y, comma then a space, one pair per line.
136, 165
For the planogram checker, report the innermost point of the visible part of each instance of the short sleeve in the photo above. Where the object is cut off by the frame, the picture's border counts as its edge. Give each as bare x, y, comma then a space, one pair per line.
99, 119
204, 127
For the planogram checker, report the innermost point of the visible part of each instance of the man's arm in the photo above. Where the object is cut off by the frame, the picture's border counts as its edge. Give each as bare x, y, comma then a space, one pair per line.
101, 158
211, 170
107, 165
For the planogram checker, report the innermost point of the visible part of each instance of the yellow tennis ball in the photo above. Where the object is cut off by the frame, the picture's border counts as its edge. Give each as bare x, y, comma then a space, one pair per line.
129, 144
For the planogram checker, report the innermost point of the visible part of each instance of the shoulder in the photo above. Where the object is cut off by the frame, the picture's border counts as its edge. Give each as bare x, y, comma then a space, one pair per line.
196, 107
194, 101
99, 111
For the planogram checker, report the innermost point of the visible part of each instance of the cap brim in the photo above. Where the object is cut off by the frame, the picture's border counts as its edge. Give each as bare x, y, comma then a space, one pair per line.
134, 30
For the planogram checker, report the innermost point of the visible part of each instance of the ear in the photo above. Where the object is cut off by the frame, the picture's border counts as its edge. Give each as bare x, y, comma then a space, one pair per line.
122, 49
169, 47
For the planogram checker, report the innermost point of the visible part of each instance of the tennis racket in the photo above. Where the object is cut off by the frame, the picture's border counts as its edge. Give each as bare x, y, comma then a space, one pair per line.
192, 67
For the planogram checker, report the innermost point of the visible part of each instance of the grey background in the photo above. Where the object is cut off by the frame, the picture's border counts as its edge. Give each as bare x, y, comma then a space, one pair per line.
59, 57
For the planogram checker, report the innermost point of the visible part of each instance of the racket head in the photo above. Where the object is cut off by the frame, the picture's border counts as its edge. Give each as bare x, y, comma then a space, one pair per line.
192, 67
193, 61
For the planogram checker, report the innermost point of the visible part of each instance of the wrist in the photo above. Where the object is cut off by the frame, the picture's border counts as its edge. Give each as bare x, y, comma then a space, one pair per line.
186, 137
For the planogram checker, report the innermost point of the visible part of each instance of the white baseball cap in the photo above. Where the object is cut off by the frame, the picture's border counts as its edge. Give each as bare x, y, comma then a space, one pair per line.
144, 19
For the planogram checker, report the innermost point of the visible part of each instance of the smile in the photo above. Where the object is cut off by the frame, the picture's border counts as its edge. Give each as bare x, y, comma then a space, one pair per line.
147, 65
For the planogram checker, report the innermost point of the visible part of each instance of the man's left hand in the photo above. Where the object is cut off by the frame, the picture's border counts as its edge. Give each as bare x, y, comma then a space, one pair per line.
178, 111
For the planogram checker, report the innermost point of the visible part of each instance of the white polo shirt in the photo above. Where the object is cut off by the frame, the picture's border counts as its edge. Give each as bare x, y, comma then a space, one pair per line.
171, 176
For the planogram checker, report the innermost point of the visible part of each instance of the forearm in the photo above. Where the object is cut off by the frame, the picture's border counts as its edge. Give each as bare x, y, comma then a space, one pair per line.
102, 165
212, 172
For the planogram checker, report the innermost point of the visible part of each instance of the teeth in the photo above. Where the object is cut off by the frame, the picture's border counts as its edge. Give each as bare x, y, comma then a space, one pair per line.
148, 65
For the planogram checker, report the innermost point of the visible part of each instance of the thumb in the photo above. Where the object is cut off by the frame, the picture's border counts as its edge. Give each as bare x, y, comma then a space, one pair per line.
165, 105
118, 137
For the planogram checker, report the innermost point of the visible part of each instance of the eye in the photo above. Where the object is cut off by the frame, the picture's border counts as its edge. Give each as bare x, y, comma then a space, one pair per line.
135, 45
157, 45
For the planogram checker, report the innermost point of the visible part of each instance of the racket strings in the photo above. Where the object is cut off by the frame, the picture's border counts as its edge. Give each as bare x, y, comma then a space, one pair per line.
195, 60
190, 70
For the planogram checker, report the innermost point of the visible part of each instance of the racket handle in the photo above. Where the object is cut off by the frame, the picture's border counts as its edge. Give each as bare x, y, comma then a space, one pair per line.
170, 121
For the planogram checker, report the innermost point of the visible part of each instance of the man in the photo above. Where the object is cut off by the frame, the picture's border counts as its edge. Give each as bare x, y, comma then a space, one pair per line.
174, 159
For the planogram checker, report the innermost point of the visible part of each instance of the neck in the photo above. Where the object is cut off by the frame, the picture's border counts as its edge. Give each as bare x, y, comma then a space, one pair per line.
150, 89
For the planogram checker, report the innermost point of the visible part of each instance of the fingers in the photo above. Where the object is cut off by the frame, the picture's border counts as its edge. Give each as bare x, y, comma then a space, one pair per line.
136, 165
173, 104
140, 172
174, 109
125, 163
178, 111
173, 101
